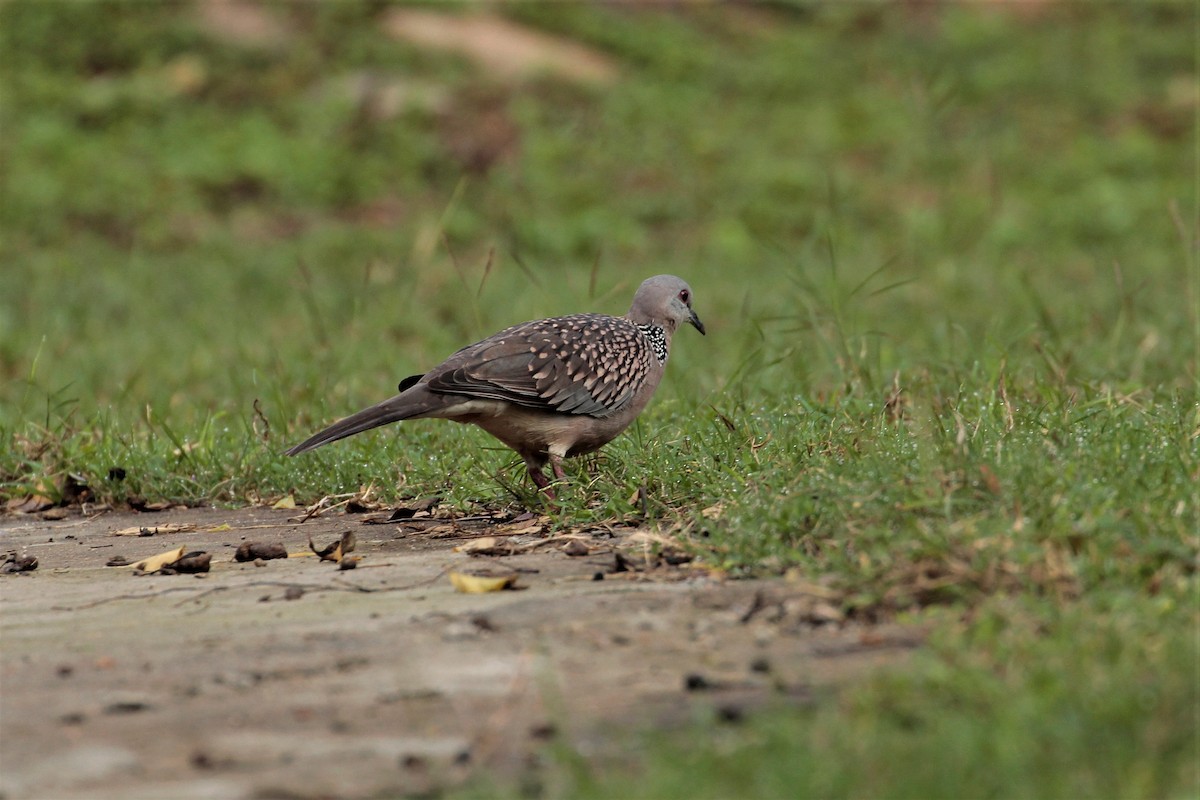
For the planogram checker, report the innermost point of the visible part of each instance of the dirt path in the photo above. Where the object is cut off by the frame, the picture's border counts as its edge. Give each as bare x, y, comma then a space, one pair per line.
380, 680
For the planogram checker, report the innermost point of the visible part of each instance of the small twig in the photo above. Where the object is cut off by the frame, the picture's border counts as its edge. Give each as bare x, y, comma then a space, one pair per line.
311, 511
260, 416
565, 537
85, 520
319, 508
428, 522
114, 598
40, 524
231, 529
481, 534
307, 588
756, 605
340, 586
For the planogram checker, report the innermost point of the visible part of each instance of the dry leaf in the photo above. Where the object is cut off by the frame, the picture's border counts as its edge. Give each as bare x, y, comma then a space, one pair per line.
488, 546
144, 530
649, 539
251, 551
503, 49
187, 449
337, 550
576, 548
713, 511
990, 480
360, 505
141, 504
192, 563
412, 509
284, 502
482, 584
645, 550
528, 529
157, 562
363, 501
475, 545
19, 563
242, 23
28, 505
825, 612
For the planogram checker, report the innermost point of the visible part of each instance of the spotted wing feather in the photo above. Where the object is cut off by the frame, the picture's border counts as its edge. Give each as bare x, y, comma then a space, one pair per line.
587, 364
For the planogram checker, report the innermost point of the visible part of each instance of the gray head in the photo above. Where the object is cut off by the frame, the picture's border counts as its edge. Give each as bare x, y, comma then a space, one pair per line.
664, 300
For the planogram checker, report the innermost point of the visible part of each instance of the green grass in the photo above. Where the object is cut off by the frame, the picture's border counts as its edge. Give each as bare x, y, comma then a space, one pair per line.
1027, 701
946, 259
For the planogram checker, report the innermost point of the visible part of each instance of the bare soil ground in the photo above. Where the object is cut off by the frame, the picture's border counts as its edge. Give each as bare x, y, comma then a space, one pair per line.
292, 678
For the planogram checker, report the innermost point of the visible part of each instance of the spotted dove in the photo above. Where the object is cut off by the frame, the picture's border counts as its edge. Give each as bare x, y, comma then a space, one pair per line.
550, 388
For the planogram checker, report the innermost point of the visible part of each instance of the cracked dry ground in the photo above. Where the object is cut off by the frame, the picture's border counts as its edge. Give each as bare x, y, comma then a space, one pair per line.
294, 678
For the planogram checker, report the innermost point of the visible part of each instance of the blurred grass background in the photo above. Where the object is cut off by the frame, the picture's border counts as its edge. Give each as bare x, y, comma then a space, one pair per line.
297, 203
946, 253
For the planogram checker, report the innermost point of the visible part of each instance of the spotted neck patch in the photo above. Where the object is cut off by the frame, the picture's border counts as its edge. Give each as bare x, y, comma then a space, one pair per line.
657, 338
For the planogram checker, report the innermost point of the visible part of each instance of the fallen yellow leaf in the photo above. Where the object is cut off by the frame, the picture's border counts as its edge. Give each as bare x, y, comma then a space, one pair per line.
285, 502
155, 563
337, 550
481, 584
